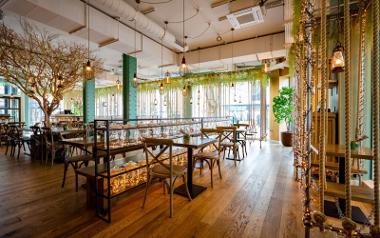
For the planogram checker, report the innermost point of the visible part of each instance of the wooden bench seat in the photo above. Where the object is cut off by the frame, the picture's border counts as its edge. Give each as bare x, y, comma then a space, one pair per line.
359, 193
335, 166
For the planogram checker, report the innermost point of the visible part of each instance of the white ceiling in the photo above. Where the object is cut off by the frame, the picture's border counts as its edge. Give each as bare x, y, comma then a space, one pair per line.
149, 58
172, 12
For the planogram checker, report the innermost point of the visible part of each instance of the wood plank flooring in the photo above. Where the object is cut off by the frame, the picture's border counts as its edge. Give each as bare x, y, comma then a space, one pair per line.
258, 198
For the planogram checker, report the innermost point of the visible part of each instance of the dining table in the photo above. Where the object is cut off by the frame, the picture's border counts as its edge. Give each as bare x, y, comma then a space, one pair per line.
191, 144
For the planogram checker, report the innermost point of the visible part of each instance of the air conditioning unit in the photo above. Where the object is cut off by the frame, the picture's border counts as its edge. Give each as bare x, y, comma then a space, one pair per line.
246, 17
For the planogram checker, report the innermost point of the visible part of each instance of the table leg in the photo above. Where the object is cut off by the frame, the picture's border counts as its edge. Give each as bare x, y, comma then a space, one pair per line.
194, 190
331, 208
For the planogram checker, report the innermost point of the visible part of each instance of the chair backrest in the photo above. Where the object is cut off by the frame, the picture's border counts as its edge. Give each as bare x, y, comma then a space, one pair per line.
36, 129
245, 126
208, 132
48, 136
163, 146
227, 133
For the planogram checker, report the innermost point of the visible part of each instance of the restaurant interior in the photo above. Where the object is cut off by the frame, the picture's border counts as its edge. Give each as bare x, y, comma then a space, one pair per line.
189, 118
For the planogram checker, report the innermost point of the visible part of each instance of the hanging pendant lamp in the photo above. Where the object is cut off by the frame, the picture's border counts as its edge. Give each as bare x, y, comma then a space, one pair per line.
337, 60
183, 69
135, 79
88, 71
167, 79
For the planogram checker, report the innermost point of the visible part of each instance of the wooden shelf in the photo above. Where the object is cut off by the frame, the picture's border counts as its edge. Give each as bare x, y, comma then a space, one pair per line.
359, 193
335, 166
336, 150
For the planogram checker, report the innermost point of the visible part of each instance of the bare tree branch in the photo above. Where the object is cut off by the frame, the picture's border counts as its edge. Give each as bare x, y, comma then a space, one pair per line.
40, 66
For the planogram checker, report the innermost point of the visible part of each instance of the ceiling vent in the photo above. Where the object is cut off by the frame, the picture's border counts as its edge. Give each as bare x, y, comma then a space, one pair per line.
246, 17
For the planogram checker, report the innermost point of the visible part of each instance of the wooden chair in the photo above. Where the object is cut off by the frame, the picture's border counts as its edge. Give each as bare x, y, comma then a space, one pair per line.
50, 145
228, 141
242, 141
156, 168
76, 163
212, 156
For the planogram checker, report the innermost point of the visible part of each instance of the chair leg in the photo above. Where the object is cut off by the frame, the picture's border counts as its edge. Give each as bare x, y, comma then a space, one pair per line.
235, 156
187, 188
146, 189
171, 196
64, 174
163, 186
52, 157
6, 149
219, 171
18, 151
76, 176
211, 165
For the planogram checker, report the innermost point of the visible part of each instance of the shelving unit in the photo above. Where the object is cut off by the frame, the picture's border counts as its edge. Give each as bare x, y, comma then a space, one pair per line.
114, 178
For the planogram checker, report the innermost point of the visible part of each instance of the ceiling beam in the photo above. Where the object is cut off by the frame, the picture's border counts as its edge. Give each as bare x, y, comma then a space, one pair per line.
220, 3
147, 10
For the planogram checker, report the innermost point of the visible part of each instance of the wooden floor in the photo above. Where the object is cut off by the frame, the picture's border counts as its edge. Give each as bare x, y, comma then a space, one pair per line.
258, 198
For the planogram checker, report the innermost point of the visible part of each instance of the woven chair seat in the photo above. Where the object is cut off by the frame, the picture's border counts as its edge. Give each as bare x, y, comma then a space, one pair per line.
79, 158
227, 144
161, 171
207, 155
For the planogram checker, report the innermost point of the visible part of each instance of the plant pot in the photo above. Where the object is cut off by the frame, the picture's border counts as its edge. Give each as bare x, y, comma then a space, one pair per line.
286, 138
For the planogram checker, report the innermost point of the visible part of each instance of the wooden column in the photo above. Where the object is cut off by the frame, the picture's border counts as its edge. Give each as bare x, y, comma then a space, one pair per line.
274, 91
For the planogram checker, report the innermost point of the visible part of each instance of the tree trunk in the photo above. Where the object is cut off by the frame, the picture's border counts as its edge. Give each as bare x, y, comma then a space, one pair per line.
47, 119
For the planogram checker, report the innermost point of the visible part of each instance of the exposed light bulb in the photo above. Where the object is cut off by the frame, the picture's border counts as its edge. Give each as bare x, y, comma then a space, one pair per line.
88, 66
184, 91
167, 77
118, 84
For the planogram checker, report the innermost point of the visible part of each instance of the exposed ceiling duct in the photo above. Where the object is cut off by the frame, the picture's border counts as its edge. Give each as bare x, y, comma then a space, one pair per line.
127, 13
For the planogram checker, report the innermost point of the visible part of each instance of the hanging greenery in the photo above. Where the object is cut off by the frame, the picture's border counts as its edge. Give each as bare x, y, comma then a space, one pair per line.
297, 15
100, 92
207, 79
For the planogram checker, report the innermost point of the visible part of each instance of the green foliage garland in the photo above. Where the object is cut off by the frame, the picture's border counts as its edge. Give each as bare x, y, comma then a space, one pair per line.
207, 79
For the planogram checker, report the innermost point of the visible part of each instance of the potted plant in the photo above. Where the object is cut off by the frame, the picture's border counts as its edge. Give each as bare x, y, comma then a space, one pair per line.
282, 111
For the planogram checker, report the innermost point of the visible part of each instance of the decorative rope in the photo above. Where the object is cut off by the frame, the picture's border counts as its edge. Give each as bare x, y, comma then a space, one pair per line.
322, 117
360, 99
347, 105
376, 42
